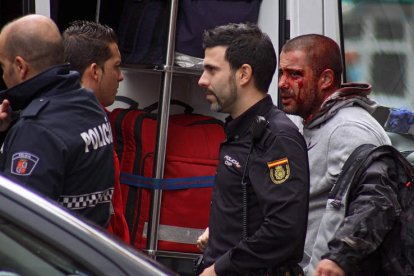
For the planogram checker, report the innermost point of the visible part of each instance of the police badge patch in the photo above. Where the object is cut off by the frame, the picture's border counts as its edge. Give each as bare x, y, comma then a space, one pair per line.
23, 163
279, 170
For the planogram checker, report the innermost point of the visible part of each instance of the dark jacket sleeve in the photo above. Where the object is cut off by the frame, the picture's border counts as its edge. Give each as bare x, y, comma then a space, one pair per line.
45, 153
283, 203
372, 212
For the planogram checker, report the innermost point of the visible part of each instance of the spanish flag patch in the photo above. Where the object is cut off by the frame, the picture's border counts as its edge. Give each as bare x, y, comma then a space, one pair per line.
279, 170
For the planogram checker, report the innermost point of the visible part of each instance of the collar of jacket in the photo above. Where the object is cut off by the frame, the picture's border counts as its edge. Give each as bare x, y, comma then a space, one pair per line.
239, 127
56, 78
350, 94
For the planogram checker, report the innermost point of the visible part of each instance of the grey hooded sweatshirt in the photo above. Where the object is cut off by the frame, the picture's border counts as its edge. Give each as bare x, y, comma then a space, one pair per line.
343, 123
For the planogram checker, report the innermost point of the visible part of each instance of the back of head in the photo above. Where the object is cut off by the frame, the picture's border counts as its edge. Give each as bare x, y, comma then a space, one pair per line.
246, 44
87, 42
36, 39
322, 53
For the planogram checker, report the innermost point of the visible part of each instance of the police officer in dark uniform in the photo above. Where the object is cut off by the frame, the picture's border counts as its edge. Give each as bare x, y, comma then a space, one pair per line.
61, 143
260, 201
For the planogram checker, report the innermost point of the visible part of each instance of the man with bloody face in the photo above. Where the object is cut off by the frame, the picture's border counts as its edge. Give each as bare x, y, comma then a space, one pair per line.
337, 119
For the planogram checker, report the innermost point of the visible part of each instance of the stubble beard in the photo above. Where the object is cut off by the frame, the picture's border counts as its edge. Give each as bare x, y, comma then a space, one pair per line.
215, 107
224, 105
290, 109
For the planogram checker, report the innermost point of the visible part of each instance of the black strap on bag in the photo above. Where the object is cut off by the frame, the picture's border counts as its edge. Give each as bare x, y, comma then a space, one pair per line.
133, 105
135, 193
188, 109
123, 99
352, 164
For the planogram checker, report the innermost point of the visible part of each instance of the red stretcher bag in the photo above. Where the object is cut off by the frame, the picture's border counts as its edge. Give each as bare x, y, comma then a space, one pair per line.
191, 159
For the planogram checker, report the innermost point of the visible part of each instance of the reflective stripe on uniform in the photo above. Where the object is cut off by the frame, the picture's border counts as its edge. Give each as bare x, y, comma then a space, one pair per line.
176, 233
86, 200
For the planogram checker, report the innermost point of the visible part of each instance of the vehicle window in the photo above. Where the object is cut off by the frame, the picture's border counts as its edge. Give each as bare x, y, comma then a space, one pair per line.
379, 48
23, 254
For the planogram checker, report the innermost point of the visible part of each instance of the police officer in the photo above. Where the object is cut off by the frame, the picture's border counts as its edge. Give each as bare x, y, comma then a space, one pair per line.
91, 49
259, 207
61, 143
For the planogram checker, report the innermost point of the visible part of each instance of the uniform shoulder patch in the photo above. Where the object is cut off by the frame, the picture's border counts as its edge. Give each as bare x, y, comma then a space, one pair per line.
279, 170
23, 163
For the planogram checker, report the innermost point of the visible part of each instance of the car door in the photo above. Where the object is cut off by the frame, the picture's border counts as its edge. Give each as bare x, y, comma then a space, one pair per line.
37, 237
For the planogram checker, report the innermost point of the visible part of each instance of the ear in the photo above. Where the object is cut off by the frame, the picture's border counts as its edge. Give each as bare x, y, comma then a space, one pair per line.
92, 73
91, 76
95, 71
21, 67
326, 79
245, 74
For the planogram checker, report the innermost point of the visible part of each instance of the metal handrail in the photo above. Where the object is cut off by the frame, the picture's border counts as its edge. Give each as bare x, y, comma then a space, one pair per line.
162, 127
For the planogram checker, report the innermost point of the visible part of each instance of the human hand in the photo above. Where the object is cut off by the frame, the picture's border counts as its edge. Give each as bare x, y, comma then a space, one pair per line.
209, 271
5, 115
202, 240
328, 268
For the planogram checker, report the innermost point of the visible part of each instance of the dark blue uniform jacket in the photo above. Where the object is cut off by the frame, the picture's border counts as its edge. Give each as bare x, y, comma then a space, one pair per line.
61, 144
277, 196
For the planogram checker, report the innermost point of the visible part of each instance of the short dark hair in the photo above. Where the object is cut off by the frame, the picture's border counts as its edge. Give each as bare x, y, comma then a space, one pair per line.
87, 42
321, 51
246, 44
